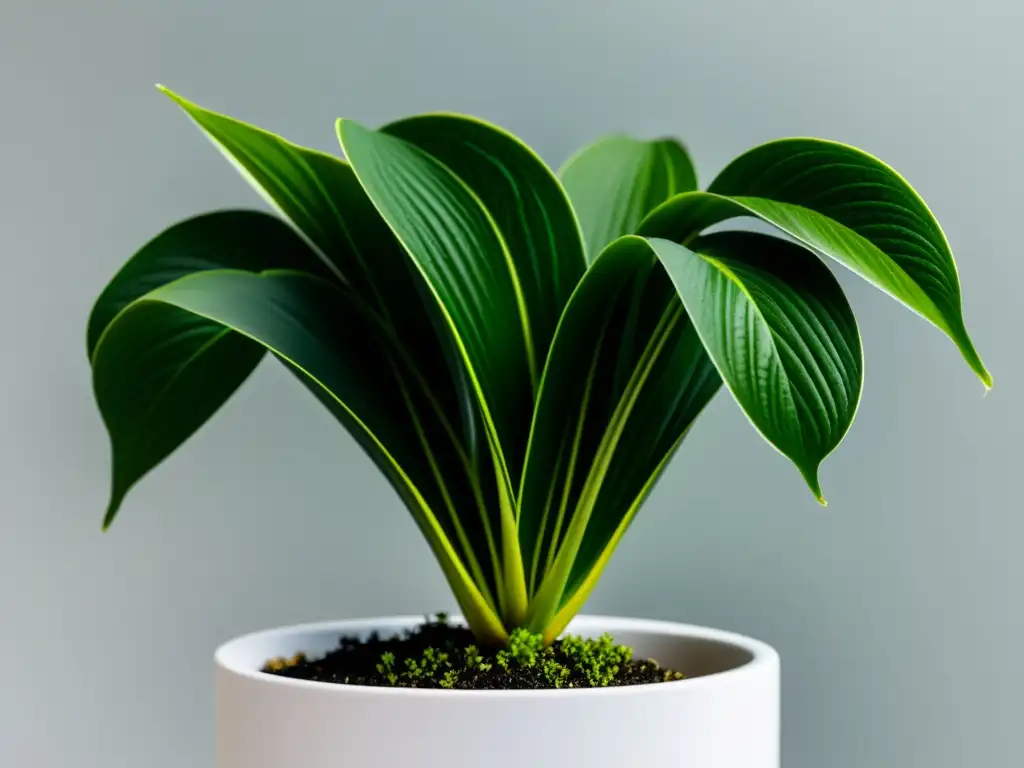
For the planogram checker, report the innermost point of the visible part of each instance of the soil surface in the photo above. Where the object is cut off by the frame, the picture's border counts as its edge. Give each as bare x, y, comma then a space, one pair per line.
440, 655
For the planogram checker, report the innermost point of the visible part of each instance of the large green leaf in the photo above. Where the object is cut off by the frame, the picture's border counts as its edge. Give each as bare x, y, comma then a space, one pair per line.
779, 329
626, 377
775, 325
328, 337
460, 247
210, 363
527, 204
320, 195
616, 181
309, 188
845, 204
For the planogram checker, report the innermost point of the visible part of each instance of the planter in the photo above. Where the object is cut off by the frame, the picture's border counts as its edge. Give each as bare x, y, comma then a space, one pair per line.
724, 715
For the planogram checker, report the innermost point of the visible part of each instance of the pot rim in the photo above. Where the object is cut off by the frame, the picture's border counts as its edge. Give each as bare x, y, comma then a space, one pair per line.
762, 656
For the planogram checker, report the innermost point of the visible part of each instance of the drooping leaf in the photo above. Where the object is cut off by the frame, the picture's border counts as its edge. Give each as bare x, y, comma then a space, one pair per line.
329, 338
778, 327
425, 285
616, 181
321, 197
209, 362
775, 325
845, 204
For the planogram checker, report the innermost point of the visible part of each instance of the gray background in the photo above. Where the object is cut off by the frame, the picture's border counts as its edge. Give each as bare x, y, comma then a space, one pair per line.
896, 610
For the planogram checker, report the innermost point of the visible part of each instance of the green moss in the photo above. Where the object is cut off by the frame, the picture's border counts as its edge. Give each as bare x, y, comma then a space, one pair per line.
474, 661
440, 655
556, 673
599, 661
450, 678
525, 648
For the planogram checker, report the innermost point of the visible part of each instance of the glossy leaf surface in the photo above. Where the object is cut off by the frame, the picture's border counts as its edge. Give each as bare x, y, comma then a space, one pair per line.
520, 356
845, 204
320, 195
626, 378
329, 339
764, 312
488, 296
781, 333
204, 362
525, 201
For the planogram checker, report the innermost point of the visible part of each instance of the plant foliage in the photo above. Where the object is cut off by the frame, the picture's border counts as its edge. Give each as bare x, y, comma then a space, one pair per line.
519, 353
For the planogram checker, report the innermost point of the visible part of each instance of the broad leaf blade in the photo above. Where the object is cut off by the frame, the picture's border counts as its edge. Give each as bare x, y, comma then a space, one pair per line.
616, 181
845, 204
626, 377
778, 328
328, 338
457, 247
186, 372
307, 187
201, 365
761, 313
526, 202
320, 195
454, 241
241, 239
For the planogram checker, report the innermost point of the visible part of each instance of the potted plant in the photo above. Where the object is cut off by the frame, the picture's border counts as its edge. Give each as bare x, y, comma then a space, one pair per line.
520, 354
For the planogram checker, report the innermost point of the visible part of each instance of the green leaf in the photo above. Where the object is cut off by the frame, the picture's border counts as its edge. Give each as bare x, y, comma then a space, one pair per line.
209, 362
778, 328
844, 204
307, 187
525, 201
321, 197
329, 338
460, 247
616, 181
626, 377
775, 325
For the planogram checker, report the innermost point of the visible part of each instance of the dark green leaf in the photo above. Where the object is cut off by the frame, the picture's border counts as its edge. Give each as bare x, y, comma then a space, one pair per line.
626, 377
775, 325
205, 363
526, 202
220, 240
845, 204
781, 333
325, 336
460, 249
320, 195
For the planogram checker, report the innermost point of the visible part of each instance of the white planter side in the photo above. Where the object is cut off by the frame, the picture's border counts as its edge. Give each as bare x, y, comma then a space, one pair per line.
724, 715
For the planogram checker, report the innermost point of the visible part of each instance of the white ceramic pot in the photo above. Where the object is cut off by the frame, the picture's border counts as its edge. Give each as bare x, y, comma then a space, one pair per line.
724, 715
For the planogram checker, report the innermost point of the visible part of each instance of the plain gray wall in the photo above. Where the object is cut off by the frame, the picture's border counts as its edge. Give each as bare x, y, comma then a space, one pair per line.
897, 610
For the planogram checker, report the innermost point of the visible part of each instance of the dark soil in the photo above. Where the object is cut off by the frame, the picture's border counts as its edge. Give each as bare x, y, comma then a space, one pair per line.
440, 655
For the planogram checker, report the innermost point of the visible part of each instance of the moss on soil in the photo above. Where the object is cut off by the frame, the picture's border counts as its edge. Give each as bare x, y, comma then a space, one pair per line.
437, 654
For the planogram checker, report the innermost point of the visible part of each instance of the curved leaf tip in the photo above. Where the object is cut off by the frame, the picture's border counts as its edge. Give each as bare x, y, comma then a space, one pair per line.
986, 378
113, 506
176, 98
811, 477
